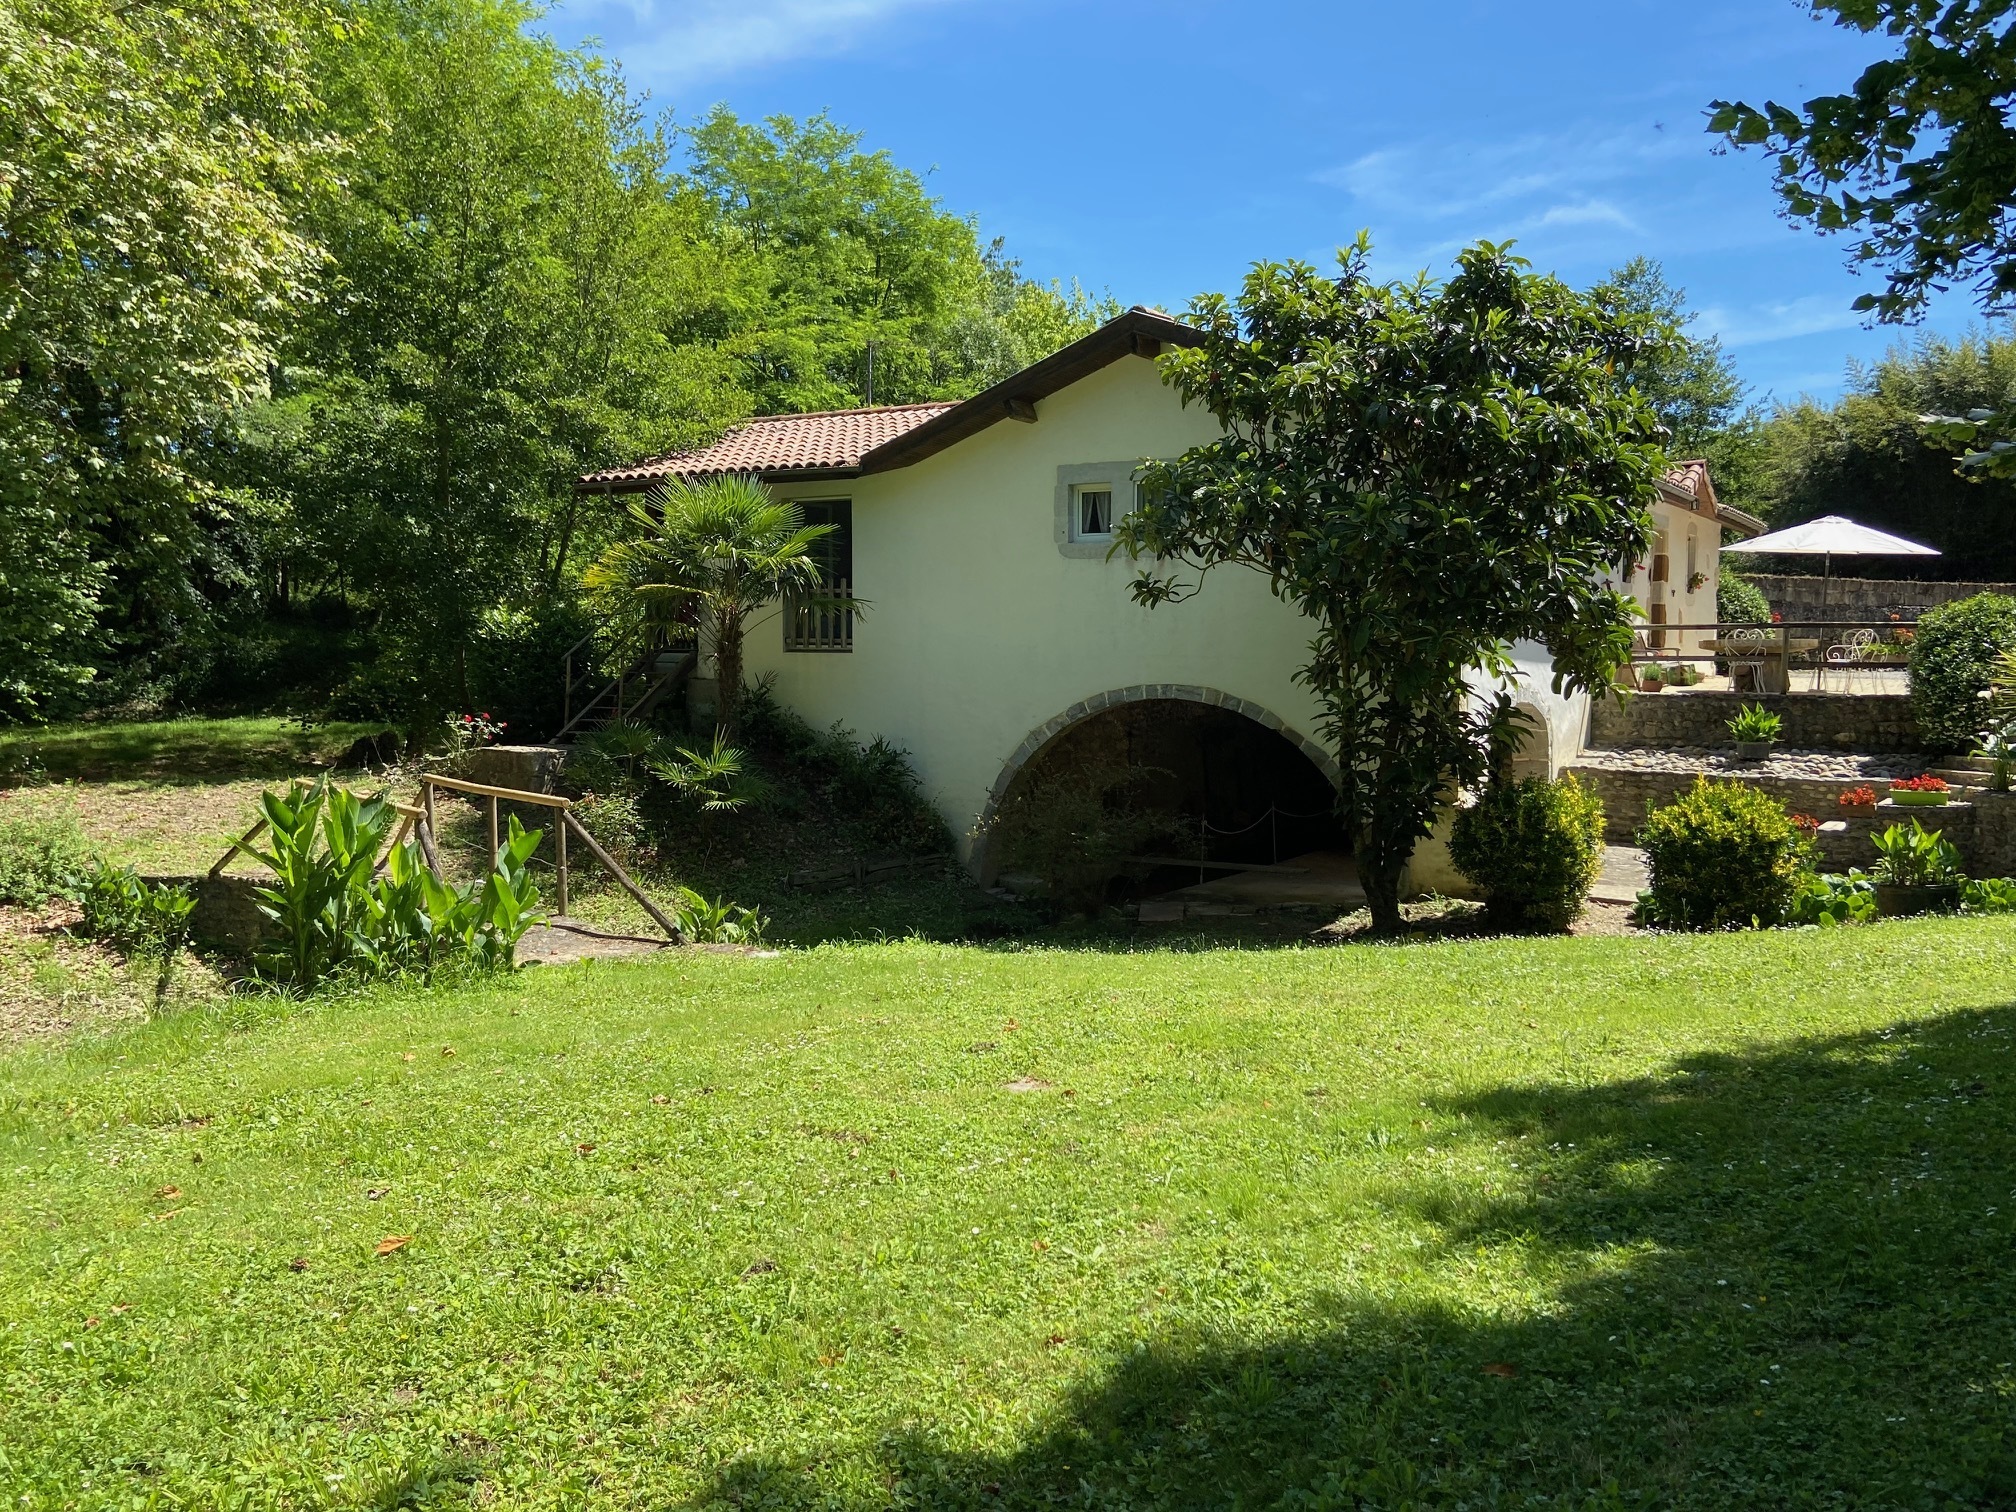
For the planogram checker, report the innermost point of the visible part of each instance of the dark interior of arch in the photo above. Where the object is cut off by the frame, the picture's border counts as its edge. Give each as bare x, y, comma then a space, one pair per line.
1230, 789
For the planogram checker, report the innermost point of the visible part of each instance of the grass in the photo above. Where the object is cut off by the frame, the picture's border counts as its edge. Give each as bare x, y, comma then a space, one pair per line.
1576, 1223
173, 750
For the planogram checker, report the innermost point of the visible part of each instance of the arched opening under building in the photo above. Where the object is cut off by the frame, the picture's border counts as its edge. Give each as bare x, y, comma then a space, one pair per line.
1147, 798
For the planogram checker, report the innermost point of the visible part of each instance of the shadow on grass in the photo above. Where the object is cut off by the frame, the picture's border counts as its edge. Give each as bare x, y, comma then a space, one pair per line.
1780, 1279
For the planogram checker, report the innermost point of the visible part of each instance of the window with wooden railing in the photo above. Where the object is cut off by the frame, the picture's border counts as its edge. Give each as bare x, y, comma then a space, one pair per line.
818, 626
816, 623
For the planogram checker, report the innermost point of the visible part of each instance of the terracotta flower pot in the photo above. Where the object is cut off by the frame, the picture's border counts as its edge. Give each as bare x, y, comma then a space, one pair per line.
1895, 902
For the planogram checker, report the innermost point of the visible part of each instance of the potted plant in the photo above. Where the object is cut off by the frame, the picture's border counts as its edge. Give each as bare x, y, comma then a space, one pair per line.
1920, 792
1860, 796
1917, 870
1651, 679
1756, 731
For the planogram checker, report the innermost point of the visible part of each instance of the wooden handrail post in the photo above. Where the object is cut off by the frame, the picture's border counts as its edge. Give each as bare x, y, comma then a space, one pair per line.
560, 867
493, 832
595, 848
424, 833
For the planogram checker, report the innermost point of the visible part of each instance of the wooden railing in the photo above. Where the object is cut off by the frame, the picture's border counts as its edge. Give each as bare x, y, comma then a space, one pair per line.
1821, 645
418, 820
821, 625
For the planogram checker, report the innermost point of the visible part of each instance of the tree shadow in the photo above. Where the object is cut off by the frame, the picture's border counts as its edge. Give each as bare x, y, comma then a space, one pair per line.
1781, 1278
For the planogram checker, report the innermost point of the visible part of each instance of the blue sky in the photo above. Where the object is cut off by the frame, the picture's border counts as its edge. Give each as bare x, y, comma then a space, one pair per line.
1156, 149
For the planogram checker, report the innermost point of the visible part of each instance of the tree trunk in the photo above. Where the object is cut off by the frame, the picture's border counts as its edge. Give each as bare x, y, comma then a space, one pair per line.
728, 677
1381, 881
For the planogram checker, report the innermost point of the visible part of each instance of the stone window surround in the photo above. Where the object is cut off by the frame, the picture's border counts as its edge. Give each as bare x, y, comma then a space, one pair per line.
1073, 474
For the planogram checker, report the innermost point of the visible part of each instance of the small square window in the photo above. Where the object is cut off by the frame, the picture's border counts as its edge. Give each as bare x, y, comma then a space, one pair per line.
1092, 514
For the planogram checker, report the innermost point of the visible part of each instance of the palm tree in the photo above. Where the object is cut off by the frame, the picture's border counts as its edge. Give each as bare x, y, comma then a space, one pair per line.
722, 546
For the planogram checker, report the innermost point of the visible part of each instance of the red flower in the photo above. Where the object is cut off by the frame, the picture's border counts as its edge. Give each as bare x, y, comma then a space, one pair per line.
1859, 797
1806, 824
1924, 784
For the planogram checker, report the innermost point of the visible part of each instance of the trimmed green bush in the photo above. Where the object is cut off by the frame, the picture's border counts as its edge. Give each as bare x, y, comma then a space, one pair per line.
1953, 658
1738, 600
1533, 849
1723, 855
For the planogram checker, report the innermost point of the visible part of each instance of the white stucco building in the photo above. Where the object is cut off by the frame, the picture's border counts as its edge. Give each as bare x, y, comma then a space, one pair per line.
977, 534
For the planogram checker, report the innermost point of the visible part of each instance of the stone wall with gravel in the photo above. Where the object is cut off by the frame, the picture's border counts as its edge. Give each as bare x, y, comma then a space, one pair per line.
1699, 718
1984, 828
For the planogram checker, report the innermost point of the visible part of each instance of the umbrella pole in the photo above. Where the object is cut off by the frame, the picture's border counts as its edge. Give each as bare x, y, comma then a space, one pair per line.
1826, 587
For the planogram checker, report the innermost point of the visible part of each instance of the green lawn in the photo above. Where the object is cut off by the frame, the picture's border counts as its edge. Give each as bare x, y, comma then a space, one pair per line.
1578, 1223
176, 750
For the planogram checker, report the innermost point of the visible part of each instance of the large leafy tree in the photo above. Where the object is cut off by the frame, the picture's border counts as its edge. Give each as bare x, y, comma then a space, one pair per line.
516, 292
716, 552
857, 257
1431, 473
149, 156
1916, 162
1868, 447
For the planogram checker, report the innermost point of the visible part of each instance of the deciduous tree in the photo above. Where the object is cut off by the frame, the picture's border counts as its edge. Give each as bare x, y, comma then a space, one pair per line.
1431, 473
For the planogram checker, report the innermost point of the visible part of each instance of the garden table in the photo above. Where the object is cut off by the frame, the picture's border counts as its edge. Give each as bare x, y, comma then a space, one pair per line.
1774, 676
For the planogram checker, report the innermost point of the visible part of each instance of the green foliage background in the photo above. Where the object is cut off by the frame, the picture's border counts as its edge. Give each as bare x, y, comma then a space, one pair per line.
305, 370
1953, 660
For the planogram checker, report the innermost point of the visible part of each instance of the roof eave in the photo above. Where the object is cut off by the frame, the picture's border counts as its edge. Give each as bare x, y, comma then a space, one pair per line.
1741, 521
1139, 332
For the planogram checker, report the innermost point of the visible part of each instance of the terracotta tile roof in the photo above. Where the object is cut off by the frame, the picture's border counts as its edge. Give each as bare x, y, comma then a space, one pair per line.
826, 439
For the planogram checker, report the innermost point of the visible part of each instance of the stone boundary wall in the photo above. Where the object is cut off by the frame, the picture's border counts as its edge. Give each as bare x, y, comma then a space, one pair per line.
1984, 828
1813, 721
1798, 597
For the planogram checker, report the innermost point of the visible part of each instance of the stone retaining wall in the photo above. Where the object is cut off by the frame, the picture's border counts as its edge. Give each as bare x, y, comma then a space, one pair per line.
1984, 829
1695, 717
1798, 598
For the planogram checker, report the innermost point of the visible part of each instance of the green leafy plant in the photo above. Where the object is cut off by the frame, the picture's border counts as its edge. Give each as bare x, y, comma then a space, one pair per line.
334, 917
717, 922
719, 549
147, 920
39, 857
1533, 848
1915, 857
1722, 855
1988, 895
1834, 899
1756, 724
1954, 659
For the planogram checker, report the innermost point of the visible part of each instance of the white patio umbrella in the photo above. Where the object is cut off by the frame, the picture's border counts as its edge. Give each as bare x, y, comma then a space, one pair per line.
1828, 537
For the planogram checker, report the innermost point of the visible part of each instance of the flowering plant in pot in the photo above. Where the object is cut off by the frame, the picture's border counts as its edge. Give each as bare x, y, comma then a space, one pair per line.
1756, 730
1861, 796
1917, 870
1920, 792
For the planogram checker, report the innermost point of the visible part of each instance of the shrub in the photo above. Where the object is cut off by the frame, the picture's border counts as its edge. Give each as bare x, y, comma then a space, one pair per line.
1740, 601
139, 917
1915, 857
1953, 662
39, 857
872, 786
1722, 854
1532, 848
717, 922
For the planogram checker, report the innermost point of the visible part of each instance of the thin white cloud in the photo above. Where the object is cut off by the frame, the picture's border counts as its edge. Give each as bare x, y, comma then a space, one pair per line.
1759, 325
693, 41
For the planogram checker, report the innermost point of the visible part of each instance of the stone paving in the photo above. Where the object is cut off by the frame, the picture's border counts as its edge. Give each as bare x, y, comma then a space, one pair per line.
1809, 765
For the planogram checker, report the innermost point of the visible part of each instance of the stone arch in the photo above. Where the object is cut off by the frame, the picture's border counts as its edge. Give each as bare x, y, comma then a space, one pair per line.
1038, 740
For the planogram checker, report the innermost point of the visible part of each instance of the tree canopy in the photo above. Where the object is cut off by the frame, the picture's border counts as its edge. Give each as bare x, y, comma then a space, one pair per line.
1431, 473
148, 161
298, 377
1916, 161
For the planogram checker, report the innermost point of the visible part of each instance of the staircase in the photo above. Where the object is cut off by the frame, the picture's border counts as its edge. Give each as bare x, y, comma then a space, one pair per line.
646, 681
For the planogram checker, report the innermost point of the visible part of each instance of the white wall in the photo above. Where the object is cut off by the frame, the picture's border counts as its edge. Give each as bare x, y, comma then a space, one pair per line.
980, 630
